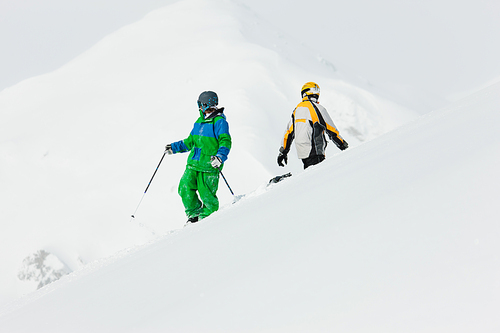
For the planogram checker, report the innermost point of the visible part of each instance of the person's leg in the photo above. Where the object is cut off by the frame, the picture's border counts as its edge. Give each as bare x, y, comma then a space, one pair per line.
187, 191
208, 183
312, 160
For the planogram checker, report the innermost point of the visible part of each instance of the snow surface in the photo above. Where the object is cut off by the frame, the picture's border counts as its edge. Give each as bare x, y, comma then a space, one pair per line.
79, 145
397, 233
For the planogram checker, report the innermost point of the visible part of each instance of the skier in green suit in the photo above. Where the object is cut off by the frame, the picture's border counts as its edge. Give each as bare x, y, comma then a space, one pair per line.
209, 144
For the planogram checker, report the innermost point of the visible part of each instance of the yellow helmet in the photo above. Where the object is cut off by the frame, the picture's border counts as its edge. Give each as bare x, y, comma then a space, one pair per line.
310, 89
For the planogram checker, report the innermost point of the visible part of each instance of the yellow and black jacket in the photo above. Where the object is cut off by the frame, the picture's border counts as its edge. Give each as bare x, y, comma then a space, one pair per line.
307, 126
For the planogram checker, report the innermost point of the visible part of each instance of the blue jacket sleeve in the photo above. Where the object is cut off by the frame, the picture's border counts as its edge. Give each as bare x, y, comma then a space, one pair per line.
221, 129
179, 147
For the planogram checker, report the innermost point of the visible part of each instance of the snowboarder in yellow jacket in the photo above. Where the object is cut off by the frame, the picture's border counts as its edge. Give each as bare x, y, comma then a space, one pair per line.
308, 125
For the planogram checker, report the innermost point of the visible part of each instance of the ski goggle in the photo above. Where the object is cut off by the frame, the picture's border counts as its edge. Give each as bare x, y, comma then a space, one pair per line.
203, 106
311, 91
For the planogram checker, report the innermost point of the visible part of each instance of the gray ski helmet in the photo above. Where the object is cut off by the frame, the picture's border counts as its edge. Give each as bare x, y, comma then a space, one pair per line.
207, 99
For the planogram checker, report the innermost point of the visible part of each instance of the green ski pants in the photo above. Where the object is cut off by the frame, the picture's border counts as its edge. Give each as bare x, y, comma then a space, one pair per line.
206, 183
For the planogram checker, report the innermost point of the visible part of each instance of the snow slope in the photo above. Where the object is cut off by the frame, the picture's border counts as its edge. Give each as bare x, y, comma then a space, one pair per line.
399, 234
78, 145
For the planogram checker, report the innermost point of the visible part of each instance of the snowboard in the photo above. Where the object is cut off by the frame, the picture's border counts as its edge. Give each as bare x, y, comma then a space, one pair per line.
277, 179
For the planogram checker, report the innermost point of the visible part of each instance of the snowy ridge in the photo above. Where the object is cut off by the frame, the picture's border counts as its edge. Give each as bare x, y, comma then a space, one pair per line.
78, 145
400, 235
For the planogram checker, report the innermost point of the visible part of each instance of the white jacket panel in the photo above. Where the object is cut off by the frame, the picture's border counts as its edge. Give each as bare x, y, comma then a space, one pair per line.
308, 125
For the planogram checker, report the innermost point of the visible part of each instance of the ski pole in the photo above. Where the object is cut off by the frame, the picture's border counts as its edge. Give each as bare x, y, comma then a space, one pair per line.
229, 187
133, 215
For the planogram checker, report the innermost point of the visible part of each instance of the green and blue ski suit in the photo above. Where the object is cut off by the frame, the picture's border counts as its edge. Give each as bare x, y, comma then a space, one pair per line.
209, 137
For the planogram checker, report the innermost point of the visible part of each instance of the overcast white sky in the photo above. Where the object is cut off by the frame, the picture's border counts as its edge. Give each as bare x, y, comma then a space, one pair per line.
438, 46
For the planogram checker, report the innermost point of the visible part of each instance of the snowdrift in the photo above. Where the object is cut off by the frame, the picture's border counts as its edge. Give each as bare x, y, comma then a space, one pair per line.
399, 234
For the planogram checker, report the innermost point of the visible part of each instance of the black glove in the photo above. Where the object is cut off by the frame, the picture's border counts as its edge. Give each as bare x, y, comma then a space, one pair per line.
344, 145
168, 149
282, 157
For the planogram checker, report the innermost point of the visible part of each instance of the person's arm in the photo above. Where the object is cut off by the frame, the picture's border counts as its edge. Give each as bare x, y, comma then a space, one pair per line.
287, 142
182, 146
289, 135
221, 129
331, 129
